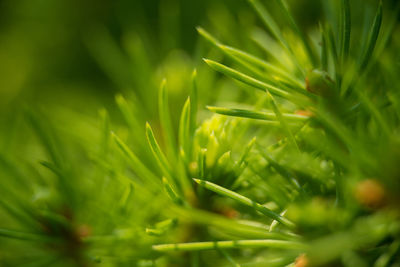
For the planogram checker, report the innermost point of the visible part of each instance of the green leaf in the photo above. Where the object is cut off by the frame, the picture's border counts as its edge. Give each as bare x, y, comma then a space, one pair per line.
126, 197
46, 137
50, 141
245, 78
171, 192
165, 119
19, 212
324, 49
25, 236
274, 29
335, 125
193, 104
105, 126
283, 123
269, 73
244, 200
184, 130
374, 111
275, 222
345, 29
385, 258
240, 60
130, 114
157, 153
137, 165
269, 22
389, 29
372, 38
126, 111
229, 257
246, 151
282, 170
332, 47
241, 164
243, 113
276, 74
297, 30
162, 227
202, 162
206, 35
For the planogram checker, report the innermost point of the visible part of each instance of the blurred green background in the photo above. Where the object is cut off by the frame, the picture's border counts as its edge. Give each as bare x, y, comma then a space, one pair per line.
69, 52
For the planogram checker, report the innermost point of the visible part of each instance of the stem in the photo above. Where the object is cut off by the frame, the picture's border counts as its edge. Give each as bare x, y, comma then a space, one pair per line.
259, 243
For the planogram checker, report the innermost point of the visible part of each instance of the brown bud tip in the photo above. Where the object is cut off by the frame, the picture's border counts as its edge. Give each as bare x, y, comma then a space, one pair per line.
301, 261
370, 193
230, 213
83, 230
308, 84
227, 212
305, 113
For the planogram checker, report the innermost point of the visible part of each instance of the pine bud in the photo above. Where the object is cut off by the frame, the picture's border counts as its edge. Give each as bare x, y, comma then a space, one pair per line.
318, 82
301, 261
370, 193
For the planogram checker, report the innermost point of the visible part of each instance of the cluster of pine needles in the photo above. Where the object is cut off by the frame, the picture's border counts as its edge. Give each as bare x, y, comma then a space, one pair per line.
304, 172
